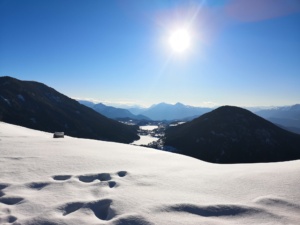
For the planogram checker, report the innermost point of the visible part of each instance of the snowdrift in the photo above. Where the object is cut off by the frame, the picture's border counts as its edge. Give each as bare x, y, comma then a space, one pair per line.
79, 181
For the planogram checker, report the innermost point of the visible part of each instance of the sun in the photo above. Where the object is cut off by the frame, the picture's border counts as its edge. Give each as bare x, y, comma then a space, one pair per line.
180, 40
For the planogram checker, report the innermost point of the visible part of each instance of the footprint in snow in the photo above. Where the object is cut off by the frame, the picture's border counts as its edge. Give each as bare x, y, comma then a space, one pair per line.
37, 185
11, 200
100, 208
61, 177
88, 178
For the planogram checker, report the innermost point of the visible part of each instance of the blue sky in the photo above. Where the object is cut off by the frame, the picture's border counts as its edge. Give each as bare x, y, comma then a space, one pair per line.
244, 53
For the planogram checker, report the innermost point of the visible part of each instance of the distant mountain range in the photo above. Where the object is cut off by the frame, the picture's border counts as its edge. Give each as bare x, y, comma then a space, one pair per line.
157, 112
233, 135
178, 111
287, 117
35, 105
225, 135
112, 112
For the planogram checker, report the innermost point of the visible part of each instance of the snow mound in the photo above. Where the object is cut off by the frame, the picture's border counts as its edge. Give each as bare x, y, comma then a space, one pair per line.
79, 181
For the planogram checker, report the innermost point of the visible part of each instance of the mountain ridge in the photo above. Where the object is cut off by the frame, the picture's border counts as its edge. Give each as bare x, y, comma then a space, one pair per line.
37, 106
233, 135
112, 112
287, 117
165, 111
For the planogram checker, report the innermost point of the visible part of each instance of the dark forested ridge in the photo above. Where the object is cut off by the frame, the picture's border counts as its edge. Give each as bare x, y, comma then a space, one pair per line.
37, 106
233, 135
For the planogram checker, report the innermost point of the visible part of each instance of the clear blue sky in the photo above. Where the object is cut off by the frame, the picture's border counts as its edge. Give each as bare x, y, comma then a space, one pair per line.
243, 52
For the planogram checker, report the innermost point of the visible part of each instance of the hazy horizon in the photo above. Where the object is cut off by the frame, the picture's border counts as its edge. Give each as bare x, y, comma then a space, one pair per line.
207, 105
228, 52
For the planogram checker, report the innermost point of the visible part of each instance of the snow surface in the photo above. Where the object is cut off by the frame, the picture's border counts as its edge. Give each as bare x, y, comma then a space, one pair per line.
176, 124
145, 140
79, 181
148, 127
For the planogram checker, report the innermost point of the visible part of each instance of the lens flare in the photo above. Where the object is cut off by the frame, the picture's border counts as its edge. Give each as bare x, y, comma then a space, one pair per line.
180, 40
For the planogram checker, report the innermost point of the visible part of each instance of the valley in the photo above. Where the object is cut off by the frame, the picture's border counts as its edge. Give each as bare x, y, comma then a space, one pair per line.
150, 112
226, 134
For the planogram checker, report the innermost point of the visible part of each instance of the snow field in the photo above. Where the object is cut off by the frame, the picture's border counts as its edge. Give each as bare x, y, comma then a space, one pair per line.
79, 181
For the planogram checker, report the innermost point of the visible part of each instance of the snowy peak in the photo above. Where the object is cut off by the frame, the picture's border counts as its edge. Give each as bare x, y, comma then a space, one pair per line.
159, 105
178, 104
178, 111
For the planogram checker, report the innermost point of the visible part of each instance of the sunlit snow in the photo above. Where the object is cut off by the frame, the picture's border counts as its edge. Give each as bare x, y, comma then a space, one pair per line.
145, 140
148, 127
72, 181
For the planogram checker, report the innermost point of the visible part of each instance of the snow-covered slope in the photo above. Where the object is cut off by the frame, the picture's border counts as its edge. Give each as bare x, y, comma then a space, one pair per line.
77, 181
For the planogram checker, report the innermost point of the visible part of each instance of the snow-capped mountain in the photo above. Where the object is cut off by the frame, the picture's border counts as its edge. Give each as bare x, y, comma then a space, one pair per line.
164, 111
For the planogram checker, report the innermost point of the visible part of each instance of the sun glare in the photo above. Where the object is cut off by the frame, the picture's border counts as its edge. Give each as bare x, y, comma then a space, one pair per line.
180, 40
